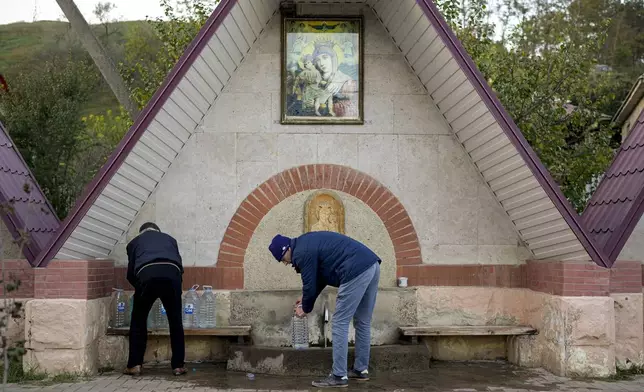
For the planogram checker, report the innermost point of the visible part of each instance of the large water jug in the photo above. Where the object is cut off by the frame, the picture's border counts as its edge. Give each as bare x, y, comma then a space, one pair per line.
129, 310
300, 332
162, 320
119, 309
154, 316
190, 308
206, 311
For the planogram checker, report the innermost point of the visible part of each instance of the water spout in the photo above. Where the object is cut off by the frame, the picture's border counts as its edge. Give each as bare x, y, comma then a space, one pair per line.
325, 321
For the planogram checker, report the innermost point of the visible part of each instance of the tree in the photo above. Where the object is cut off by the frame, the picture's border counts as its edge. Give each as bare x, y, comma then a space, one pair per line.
544, 74
145, 69
102, 12
99, 55
43, 111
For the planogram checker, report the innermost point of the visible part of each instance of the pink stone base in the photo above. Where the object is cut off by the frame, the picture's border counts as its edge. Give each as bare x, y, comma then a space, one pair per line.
578, 336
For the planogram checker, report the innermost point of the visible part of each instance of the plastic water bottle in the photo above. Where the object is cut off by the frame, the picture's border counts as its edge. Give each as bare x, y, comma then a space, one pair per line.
190, 308
152, 317
129, 311
300, 332
155, 314
119, 309
162, 316
206, 312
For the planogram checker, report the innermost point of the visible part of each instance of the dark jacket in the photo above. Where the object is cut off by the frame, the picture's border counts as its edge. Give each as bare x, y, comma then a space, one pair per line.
326, 258
148, 247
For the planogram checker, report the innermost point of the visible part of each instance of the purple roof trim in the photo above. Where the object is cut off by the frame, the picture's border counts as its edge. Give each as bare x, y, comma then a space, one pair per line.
143, 120
618, 203
511, 130
31, 210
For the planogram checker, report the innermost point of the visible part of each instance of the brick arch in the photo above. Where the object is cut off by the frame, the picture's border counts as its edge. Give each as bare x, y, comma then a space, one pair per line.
230, 261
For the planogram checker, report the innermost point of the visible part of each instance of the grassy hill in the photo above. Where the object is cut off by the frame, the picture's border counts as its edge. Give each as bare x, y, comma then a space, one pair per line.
24, 45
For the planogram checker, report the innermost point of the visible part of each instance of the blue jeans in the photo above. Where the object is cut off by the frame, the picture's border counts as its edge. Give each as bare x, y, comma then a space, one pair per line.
356, 299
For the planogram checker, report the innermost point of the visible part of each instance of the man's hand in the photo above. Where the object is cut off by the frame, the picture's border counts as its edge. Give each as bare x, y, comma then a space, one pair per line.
299, 301
299, 312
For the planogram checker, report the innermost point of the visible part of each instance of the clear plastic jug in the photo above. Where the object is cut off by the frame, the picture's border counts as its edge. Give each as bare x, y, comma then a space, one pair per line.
206, 311
190, 308
300, 332
119, 309
162, 320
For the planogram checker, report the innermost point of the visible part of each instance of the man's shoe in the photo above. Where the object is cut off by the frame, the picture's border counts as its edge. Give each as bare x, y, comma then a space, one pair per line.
332, 381
133, 371
359, 376
179, 371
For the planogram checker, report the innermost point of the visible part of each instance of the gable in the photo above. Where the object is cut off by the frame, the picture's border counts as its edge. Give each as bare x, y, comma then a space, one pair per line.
520, 183
31, 212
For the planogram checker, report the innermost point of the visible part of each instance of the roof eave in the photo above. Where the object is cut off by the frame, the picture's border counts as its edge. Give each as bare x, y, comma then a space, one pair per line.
634, 96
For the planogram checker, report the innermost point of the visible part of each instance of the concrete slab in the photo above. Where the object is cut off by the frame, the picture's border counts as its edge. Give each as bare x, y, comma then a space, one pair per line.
389, 359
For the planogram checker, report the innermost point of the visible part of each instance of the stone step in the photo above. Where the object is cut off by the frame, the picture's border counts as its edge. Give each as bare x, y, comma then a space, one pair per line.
317, 361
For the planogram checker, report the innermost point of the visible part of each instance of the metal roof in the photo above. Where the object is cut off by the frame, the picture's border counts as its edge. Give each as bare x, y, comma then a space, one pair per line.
542, 216
31, 212
617, 204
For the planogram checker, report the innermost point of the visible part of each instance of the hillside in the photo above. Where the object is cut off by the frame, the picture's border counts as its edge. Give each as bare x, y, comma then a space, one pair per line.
24, 45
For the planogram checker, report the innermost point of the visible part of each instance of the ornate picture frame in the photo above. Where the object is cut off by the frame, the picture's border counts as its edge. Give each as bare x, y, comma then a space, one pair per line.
322, 79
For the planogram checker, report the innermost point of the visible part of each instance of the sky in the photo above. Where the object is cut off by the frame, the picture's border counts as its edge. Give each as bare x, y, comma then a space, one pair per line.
30, 10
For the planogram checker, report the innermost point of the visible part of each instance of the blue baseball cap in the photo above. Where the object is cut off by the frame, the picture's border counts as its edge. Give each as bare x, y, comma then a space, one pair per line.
279, 245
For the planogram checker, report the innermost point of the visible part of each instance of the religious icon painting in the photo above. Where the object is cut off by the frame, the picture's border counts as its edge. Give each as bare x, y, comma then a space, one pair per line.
322, 71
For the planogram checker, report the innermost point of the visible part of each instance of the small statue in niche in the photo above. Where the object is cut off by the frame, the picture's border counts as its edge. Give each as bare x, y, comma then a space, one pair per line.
324, 212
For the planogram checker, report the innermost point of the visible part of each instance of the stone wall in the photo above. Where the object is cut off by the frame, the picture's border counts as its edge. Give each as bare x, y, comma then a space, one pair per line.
405, 144
62, 335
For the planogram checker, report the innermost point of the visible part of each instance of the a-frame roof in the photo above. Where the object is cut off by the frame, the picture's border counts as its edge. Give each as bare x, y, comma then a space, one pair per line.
542, 216
29, 211
618, 203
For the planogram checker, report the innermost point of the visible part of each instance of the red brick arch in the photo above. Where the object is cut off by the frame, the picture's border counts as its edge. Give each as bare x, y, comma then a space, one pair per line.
230, 262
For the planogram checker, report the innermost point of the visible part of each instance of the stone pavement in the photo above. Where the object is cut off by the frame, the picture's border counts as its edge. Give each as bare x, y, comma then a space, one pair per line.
447, 377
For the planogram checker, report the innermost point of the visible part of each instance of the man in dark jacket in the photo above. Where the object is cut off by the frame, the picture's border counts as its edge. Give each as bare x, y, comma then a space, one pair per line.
155, 270
326, 258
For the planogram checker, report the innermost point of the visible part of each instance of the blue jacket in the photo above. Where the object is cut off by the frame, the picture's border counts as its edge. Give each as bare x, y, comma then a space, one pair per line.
148, 247
325, 258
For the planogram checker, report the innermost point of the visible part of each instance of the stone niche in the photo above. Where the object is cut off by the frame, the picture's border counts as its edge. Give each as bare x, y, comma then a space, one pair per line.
261, 272
324, 212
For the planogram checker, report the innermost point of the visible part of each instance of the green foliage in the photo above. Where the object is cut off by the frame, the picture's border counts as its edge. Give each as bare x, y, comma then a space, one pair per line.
544, 74
103, 133
144, 70
42, 111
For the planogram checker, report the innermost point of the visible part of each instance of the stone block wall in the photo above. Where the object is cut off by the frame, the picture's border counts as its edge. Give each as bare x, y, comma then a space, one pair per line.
68, 315
584, 335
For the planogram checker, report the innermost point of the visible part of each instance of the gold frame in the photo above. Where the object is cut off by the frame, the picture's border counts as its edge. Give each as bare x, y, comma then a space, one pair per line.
322, 120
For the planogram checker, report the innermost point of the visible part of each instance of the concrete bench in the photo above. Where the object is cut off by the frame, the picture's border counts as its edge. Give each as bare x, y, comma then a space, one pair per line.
412, 333
241, 332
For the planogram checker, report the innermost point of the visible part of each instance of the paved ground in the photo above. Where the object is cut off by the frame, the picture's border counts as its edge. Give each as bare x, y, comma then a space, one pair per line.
448, 377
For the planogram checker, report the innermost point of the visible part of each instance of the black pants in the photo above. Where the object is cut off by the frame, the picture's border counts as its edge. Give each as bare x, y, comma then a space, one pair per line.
163, 282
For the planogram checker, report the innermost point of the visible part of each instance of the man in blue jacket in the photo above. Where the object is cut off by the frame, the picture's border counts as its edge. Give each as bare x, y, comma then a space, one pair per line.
326, 258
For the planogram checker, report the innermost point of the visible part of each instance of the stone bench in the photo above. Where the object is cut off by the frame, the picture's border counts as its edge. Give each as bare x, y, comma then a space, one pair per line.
241, 332
412, 333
